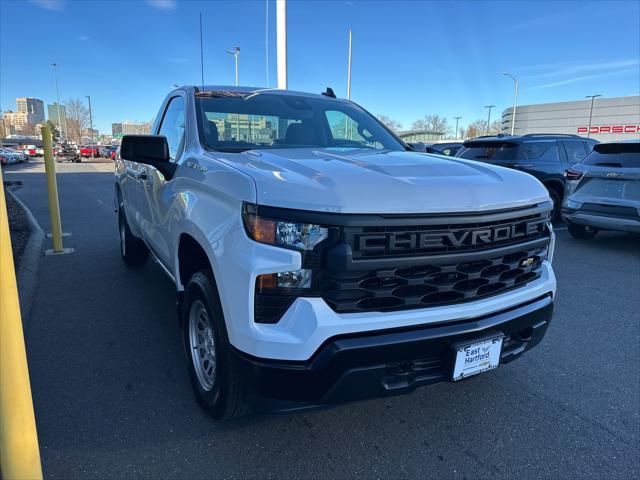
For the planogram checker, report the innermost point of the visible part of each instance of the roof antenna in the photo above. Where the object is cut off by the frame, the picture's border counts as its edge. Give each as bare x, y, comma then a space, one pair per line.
201, 55
329, 93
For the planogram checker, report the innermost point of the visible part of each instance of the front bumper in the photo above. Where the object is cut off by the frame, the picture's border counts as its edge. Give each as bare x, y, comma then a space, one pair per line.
384, 363
310, 322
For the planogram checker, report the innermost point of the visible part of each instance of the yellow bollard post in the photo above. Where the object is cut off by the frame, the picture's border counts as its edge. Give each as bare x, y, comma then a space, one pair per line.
19, 452
52, 187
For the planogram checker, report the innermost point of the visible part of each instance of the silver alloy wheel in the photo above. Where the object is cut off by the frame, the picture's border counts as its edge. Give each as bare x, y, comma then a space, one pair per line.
202, 345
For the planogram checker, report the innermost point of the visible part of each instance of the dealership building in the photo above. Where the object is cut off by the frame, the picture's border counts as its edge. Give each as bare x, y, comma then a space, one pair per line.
612, 118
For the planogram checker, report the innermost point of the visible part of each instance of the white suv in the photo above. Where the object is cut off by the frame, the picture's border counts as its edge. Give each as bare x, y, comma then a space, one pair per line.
318, 260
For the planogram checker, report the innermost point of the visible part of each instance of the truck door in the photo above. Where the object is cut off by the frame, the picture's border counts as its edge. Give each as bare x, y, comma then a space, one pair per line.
154, 191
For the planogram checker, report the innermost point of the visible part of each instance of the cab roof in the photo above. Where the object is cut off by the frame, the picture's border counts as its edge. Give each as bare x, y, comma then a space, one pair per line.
227, 90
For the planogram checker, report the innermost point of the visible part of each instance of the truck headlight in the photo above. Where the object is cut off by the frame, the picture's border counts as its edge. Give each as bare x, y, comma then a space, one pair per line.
302, 236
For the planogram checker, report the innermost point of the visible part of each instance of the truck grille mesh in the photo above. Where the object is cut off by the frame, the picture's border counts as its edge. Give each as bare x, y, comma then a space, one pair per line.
429, 285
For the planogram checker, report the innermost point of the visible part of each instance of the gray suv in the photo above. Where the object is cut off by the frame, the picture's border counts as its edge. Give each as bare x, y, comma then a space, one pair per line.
603, 191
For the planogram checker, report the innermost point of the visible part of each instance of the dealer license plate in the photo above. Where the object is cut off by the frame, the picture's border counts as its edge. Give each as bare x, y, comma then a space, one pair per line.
477, 357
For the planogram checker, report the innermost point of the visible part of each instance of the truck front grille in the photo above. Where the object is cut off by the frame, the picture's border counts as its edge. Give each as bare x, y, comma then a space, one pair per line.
378, 263
429, 285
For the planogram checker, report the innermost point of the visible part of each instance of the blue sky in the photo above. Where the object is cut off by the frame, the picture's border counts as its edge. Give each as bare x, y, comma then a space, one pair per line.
409, 58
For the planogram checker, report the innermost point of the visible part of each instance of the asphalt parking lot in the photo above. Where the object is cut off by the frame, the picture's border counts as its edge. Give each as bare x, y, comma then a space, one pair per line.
112, 397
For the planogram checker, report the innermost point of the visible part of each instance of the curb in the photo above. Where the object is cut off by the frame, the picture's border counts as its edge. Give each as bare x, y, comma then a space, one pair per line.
27, 272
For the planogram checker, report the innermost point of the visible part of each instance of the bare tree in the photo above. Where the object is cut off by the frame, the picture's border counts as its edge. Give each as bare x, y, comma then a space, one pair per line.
28, 129
432, 123
390, 123
77, 119
496, 127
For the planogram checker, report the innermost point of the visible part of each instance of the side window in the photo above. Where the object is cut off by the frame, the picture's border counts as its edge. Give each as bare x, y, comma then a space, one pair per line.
172, 127
345, 131
536, 150
575, 151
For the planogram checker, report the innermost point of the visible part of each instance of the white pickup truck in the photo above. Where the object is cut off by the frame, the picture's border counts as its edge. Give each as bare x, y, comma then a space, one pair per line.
318, 260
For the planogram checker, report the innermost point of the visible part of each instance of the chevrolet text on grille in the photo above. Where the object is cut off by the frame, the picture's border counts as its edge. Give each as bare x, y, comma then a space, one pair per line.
390, 241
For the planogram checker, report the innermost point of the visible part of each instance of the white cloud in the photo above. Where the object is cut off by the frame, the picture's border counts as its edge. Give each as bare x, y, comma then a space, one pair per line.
593, 66
163, 4
54, 5
586, 77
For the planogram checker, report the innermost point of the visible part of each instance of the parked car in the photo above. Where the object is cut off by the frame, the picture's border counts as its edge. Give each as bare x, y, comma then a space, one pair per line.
13, 156
449, 149
40, 152
314, 266
604, 191
545, 156
29, 150
88, 151
67, 153
115, 153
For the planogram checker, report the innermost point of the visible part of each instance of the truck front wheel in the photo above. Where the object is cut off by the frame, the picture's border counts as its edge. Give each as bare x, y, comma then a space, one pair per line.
133, 250
214, 378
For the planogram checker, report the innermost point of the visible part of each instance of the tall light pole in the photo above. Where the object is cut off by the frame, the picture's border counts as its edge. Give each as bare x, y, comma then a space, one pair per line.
592, 97
349, 68
457, 120
515, 101
55, 74
236, 53
90, 120
281, 43
489, 117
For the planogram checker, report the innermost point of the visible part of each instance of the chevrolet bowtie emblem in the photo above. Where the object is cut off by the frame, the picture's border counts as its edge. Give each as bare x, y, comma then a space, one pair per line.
527, 262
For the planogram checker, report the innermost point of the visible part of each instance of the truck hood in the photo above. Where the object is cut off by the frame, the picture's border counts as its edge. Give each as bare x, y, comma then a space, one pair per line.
366, 181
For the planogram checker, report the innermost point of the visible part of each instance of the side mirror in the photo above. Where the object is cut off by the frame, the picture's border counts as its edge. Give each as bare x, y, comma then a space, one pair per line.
150, 150
147, 149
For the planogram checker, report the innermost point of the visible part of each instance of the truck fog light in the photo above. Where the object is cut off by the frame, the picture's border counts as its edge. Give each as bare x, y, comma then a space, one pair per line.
294, 279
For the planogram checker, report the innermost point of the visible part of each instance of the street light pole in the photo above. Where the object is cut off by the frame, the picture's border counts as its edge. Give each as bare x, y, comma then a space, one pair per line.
457, 120
592, 97
90, 121
235, 52
349, 70
281, 43
515, 102
489, 117
55, 74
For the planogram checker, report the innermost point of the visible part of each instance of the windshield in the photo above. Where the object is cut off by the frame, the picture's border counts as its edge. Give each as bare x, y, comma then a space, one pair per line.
257, 121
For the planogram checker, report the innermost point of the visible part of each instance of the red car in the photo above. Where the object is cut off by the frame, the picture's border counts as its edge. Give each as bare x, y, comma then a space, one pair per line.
87, 151
29, 150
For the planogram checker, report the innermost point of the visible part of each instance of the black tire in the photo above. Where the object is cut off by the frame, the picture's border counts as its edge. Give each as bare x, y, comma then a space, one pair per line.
133, 250
582, 232
221, 393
